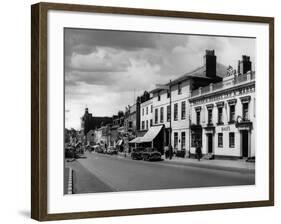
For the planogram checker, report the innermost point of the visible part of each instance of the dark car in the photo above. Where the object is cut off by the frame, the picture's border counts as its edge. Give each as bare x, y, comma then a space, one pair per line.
70, 152
150, 154
137, 153
112, 151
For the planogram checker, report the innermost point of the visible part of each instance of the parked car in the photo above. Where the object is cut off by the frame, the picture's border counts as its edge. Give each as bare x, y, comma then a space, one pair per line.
136, 153
111, 151
70, 152
150, 154
97, 148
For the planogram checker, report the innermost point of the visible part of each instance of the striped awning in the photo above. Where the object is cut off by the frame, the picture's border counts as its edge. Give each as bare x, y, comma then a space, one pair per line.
149, 136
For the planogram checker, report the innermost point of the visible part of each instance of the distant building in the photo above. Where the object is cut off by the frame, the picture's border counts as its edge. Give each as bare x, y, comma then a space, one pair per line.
91, 137
146, 111
90, 122
223, 114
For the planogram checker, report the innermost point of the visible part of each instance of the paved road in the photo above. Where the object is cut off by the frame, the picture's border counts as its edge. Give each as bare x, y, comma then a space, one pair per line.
104, 173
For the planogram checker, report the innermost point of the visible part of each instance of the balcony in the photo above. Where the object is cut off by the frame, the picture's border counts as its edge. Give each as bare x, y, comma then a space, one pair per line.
212, 87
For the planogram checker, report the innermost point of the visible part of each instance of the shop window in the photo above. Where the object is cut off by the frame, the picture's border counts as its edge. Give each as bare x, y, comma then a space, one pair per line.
183, 141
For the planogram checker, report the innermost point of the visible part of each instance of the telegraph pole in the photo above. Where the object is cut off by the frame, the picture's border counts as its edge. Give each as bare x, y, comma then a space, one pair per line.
170, 141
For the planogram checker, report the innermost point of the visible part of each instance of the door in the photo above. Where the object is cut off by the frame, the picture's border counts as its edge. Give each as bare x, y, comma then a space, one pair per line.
210, 143
245, 144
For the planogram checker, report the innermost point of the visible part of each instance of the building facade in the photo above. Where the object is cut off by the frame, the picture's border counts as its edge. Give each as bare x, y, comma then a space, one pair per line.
171, 106
146, 112
223, 115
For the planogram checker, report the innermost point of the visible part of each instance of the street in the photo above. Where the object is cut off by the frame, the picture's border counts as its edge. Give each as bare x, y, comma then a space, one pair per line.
105, 173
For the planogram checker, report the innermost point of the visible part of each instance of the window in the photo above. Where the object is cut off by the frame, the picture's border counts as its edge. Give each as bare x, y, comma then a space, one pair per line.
183, 110
196, 139
159, 97
198, 117
183, 141
179, 88
151, 109
176, 139
232, 113
142, 125
161, 114
220, 115
146, 124
175, 111
146, 110
156, 116
142, 111
130, 124
210, 116
168, 113
168, 94
150, 122
220, 140
245, 111
231, 140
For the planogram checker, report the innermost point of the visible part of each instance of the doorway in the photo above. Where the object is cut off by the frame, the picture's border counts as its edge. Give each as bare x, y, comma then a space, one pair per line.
210, 143
245, 143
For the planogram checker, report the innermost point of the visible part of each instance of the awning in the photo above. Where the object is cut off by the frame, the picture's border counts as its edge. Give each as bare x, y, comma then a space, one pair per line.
151, 133
136, 140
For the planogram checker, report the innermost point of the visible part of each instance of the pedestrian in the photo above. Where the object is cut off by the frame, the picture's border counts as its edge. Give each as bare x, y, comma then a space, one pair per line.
170, 152
198, 153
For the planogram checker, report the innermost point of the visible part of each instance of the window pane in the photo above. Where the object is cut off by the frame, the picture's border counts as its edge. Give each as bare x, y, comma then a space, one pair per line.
161, 114
175, 111
231, 140
183, 110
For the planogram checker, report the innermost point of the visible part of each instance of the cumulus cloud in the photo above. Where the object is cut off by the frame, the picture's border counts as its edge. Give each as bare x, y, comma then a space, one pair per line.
105, 70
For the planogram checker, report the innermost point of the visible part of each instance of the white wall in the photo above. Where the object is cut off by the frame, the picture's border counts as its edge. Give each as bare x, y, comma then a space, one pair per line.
15, 112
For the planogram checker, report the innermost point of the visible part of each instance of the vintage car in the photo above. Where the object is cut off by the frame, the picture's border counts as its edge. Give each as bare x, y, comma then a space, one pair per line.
111, 151
71, 152
137, 153
150, 154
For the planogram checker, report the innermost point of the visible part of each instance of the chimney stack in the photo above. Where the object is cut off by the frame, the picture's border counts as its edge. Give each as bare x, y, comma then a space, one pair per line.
244, 65
210, 62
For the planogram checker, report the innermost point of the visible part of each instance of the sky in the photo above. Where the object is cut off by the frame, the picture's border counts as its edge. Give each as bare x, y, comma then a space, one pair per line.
105, 70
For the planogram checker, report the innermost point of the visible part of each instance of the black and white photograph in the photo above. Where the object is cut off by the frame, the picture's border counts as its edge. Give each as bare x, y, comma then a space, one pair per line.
154, 111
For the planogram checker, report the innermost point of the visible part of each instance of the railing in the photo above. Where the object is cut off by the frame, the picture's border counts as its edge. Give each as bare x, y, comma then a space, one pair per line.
220, 85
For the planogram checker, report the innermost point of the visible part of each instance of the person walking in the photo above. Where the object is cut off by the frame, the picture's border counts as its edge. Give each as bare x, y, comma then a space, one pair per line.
198, 153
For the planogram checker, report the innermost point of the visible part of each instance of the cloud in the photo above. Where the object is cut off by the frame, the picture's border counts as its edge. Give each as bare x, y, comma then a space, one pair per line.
106, 69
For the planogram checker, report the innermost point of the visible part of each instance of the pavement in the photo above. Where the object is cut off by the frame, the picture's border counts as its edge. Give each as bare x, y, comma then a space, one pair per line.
220, 164
106, 173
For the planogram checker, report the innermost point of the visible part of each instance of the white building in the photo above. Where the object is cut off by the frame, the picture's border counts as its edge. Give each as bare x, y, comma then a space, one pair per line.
146, 111
223, 115
171, 105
